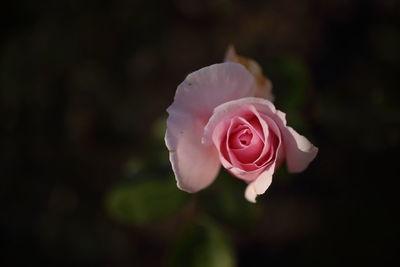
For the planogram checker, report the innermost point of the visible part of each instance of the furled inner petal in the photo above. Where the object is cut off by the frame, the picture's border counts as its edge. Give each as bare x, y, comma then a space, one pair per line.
252, 146
241, 139
266, 159
241, 123
243, 142
244, 145
268, 153
245, 138
274, 140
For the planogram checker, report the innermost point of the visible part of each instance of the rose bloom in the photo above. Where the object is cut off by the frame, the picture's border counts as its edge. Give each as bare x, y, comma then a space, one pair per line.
216, 120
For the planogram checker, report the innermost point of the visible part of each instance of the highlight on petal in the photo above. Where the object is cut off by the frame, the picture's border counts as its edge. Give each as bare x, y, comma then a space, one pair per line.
260, 185
195, 164
207, 88
263, 86
299, 151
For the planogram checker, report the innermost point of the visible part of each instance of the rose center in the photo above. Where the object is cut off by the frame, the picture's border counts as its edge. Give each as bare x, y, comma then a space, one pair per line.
245, 137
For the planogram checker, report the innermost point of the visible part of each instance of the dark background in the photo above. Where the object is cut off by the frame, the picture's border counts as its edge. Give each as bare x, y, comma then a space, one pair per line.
85, 178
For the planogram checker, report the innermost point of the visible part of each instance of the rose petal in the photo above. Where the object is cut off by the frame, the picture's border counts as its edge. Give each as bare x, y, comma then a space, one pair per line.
250, 153
207, 88
218, 137
265, 127
274, 142
299, 151
252, 123
195, 164
236, 138
260, 185
244, 153
230, 155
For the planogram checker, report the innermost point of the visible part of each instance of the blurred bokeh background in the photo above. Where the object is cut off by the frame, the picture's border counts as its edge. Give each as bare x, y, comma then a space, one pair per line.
84, 173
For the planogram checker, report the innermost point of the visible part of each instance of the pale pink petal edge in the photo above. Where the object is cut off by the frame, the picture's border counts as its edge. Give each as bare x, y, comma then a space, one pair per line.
260, 185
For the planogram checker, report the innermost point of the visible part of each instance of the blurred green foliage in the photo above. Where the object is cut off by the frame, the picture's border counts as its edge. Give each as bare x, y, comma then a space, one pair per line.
202, 244
145, 201
148, 196
292, 87
226, 202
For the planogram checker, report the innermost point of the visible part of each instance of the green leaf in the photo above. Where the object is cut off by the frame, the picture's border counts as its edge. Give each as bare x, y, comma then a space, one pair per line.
145, 201
203, 244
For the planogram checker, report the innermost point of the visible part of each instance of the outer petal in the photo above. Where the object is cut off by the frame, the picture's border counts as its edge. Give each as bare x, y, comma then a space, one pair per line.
260, 185
299, 151
207, 88
195, 164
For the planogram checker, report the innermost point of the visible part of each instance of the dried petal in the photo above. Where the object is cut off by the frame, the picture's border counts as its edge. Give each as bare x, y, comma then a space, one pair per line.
262, 86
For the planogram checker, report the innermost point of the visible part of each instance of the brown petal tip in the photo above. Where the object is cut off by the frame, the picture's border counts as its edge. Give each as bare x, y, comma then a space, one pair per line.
262, 86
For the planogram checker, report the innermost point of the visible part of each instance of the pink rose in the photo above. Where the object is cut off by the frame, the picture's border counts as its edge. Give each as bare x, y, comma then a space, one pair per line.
215, 119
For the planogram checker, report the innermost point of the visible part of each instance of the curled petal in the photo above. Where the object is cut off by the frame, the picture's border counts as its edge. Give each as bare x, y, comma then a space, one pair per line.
298, 150
260, 185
